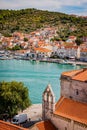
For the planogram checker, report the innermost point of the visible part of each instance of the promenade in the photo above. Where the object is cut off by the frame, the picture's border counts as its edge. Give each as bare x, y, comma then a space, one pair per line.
61, 61
34, 112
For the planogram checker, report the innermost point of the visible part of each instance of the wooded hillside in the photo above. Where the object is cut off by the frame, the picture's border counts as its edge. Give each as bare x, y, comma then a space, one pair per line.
27, 20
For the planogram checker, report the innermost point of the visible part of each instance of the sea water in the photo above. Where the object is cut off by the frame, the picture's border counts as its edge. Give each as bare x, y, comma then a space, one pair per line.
35, 75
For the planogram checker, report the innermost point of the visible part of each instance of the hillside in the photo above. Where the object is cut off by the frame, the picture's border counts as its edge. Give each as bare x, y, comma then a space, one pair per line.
27, 20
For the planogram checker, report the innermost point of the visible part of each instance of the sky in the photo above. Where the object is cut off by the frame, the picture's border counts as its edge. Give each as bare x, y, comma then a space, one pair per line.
77, 7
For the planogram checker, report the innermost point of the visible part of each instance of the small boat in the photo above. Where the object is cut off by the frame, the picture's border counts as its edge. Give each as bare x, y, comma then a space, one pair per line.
74, 63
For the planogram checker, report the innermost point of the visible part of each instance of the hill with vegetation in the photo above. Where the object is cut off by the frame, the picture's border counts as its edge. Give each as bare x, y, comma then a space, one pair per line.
27, 20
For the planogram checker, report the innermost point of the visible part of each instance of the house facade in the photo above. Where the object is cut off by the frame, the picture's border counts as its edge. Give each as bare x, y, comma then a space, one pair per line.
69, 51
83, 55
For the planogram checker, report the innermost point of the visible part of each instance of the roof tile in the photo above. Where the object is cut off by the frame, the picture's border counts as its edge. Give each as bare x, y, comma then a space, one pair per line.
80, 75
8, 126
45, 125
71, 109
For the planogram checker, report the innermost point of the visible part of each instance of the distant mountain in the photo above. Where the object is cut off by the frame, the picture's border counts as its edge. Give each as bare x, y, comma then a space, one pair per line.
27, 20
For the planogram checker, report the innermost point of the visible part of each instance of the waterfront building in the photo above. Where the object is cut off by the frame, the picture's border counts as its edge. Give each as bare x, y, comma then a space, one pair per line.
42, 52
70, 112
83, 55
67, 51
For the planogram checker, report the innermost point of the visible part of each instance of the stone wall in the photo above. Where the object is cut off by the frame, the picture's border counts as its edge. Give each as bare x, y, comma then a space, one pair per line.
74, 89
62, 123
78, 126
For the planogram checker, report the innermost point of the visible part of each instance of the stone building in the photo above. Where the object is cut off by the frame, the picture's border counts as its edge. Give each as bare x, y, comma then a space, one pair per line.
74, 85
70, 112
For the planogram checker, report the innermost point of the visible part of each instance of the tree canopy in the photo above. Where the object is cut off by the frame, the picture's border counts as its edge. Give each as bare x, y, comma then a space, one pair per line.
78, 41
13, 97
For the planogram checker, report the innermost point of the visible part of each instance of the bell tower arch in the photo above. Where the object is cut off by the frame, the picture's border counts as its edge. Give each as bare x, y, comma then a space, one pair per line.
48, 103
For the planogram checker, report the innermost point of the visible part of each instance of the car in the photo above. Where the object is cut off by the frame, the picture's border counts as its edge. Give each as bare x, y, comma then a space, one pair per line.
19, 119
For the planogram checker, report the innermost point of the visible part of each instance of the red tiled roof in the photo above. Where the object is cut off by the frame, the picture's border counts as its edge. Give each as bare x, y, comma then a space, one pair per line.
42, 50
71, 109
21, 51
8, 126
45, 125
71, 73
80, 75
72, 37
84, 50
70, 47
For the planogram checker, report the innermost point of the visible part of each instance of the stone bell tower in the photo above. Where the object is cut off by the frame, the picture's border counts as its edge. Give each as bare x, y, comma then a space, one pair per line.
48, 103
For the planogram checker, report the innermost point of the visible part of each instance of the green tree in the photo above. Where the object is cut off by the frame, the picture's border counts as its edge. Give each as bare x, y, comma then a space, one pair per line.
7, 35
16, 47
25, 39
78, 41
13, 97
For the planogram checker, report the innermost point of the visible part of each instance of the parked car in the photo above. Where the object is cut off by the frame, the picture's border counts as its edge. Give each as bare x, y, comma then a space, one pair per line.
19, 119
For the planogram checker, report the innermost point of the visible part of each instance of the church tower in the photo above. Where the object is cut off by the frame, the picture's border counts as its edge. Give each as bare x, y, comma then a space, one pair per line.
48, 103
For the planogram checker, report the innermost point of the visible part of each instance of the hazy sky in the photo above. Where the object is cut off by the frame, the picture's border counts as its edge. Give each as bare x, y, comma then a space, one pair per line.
67, 6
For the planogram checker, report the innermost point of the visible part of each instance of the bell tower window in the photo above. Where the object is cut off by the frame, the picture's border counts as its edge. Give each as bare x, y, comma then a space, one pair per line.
77, 92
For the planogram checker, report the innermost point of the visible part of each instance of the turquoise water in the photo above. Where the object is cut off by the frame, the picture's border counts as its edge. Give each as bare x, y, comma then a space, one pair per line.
35, 75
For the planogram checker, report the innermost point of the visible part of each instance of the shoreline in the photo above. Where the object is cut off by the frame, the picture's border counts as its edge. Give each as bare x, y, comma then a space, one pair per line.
34, 112
59, 61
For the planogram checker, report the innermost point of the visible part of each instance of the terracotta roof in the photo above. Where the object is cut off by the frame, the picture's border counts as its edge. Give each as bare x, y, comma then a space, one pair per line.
71, 109
45, 125
41, 43
72, 37
21, 51
80, 75
70, 47
8, 126
42, 50
84, 50
71, 73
